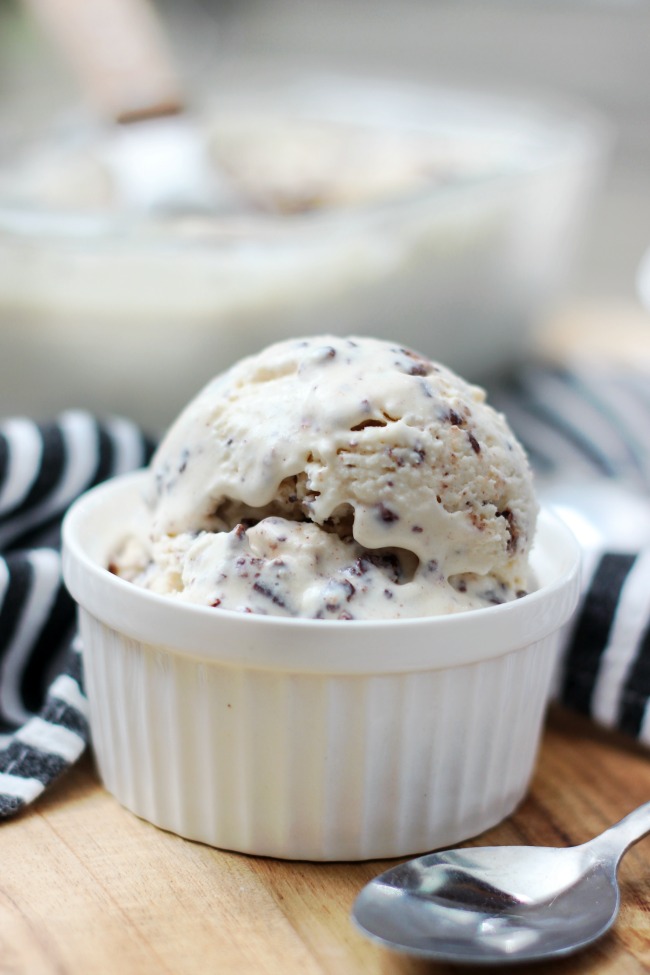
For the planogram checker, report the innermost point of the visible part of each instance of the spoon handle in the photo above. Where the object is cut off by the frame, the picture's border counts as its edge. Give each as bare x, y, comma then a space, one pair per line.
622, 835
119, 51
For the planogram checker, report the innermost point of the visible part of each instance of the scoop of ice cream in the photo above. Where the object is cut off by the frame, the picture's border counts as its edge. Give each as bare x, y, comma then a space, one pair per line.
278, 163
332, 477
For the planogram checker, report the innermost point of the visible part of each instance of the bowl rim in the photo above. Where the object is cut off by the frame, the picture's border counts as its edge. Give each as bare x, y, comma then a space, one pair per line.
305, 645
559, 128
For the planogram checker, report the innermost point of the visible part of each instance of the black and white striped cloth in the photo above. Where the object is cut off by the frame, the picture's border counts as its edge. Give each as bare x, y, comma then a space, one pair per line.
43, 710
590, 426
581, 422
575, 424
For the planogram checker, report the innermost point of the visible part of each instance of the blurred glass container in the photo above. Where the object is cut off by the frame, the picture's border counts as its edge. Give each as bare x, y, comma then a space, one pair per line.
445, 220
643, 280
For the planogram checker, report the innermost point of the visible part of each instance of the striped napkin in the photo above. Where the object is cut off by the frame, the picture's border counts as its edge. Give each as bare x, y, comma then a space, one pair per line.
43, 710
587, 433
579, 427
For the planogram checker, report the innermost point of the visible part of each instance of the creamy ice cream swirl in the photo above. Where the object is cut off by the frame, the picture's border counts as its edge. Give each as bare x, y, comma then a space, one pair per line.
338, 477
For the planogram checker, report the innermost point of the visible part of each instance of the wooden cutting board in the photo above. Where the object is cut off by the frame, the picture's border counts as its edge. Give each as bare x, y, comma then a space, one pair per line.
86, 888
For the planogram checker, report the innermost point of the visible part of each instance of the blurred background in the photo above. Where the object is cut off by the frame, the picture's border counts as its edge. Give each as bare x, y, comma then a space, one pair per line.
593, 54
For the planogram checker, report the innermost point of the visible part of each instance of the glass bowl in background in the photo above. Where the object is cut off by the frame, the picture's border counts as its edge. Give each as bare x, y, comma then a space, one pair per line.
444, 220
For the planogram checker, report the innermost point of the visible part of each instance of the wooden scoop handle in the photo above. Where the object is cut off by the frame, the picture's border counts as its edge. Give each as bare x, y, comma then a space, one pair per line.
119, 51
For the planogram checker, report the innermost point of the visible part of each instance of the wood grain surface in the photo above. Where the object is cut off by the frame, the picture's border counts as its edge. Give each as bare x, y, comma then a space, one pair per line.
86, 887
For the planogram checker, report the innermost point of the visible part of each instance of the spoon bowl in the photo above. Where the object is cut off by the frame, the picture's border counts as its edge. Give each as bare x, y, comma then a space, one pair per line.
497, 905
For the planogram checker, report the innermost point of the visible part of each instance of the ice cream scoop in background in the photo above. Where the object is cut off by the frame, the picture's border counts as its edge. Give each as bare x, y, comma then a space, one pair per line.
153, 151
340, 478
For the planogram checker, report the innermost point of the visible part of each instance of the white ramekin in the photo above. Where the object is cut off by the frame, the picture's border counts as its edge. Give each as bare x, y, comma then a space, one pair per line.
308, 739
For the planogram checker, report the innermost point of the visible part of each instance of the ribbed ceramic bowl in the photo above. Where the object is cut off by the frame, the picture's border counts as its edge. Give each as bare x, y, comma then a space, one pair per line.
308, 739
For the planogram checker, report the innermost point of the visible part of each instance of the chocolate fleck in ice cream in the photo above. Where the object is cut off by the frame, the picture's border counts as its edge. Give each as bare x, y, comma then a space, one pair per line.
337, 478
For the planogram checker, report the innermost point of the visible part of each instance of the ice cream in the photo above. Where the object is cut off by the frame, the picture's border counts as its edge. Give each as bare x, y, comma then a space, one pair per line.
276, 164
337, 478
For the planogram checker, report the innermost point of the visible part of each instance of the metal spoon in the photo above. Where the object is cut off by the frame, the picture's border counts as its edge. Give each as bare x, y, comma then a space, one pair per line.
496, 905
